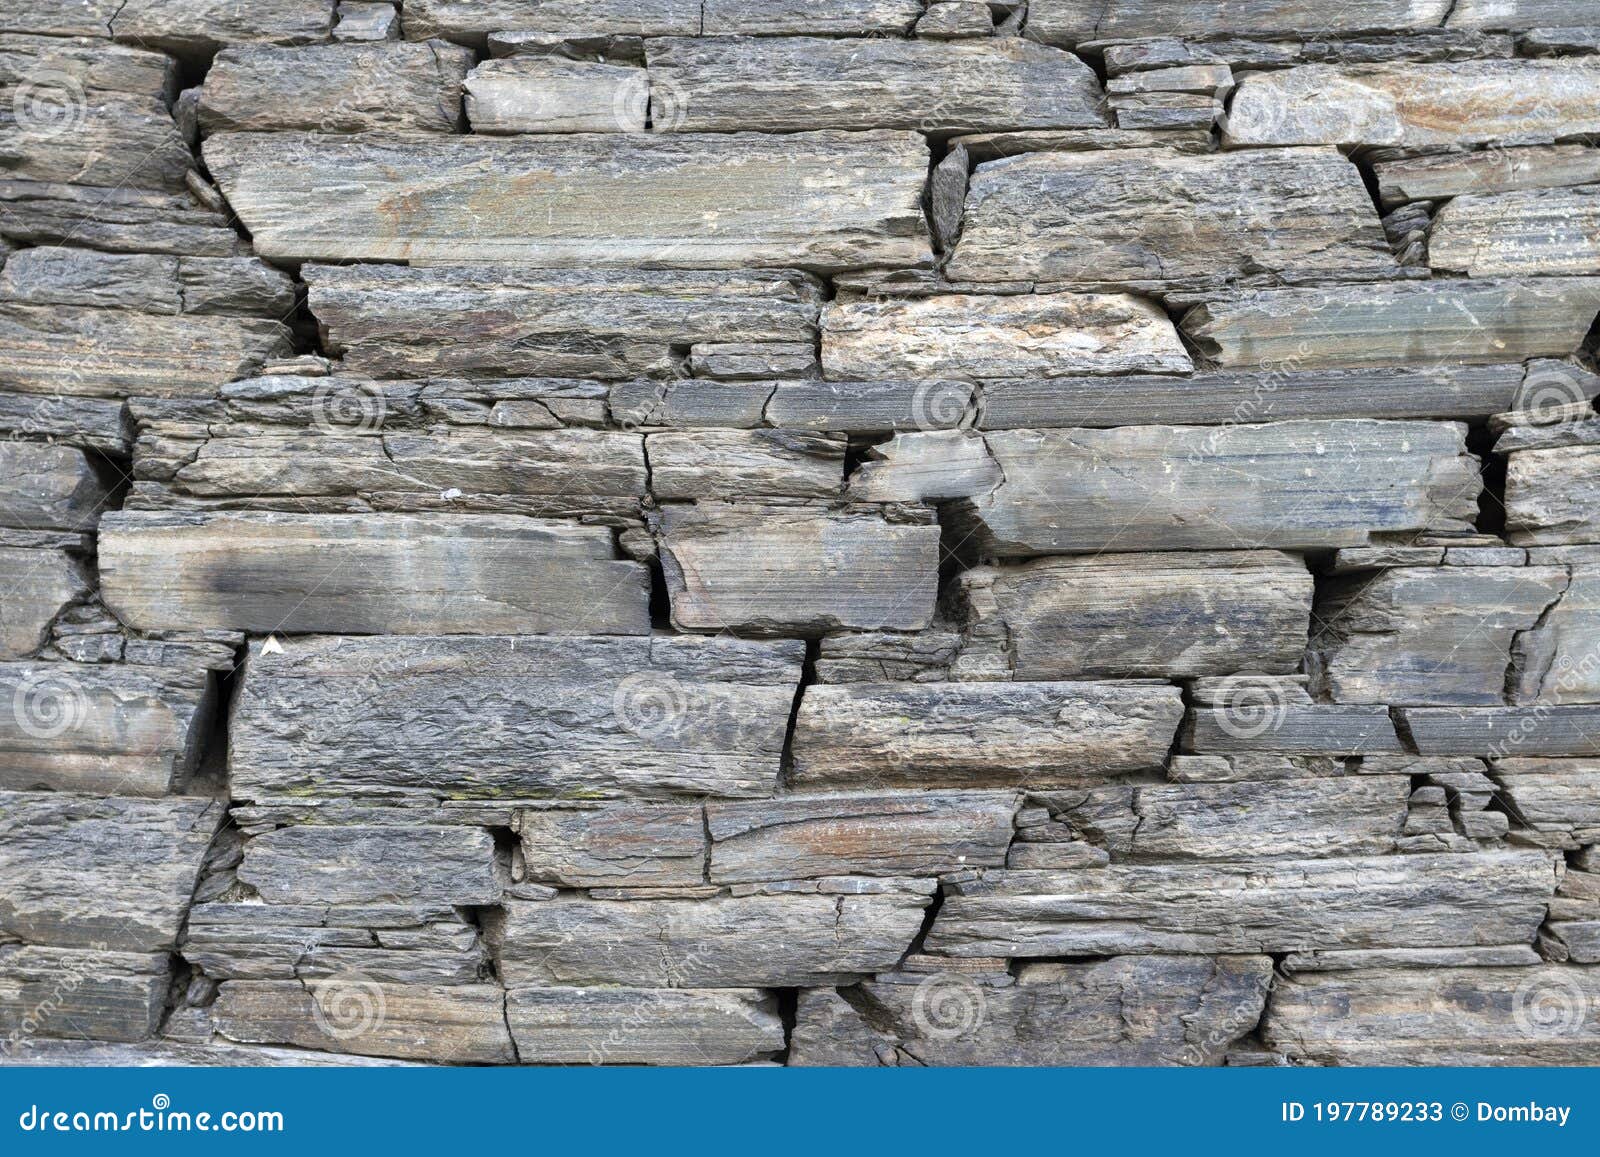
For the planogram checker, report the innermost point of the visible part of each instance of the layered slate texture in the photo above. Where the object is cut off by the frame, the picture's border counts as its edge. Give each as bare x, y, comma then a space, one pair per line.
716, 532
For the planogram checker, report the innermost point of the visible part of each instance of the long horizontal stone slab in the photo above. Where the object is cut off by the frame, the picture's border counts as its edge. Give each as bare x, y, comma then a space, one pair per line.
512, 716
1229, 397
1158, 220
1076, 21
80, 995
185, 27
1561, 729
448, 1024
1286, 485
1437, 177
1275, 714
1358, 325
356, 864
786, 84
418, 574
643, 1026
824, 200
118, 729
107, 873
470, 20
336, 88
104, 353
115, 220
1437, 1016
1530, 232
1415, 901
777, 941
147, 282
1132, 1010
391, 321
970, 336
979, 734
1415, 105
1131, 615
780, 570
915, 834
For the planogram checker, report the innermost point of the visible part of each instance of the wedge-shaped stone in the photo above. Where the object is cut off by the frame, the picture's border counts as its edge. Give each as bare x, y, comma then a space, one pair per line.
1307, 817
1288, 485
1497, 170
1075, 21
123, 729
1553, 795
1549, 657
1551, 494
336, 88
730, 464
623, 845
821, 200
421, 574
49, 487
916, 834
107, 873
354, 864
1563, 729
786, 84
1534, 231
959, 335
1437, 1016
41, 574
1416, 901
390, 321
516, 716
643, 1026
80, 995
779, 570
547, 94
1411, 105
199, 27
1427, 635
449, 1024
979, 734
100, 353
1356, 325
1133, 1010
725, 942
1159, 220
1230, 397
1130, 615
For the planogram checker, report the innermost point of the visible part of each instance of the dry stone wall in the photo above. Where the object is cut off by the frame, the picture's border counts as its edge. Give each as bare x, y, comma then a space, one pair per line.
866, 532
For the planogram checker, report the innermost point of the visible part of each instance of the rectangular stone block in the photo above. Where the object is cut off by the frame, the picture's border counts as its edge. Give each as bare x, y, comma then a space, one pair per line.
697, 465
1414, 901
800, 570
1075, 21
41, 573
512, 717
621, 845
80, 995
1557, 796
50, 487
1499, 170
979, 734
822, 200
400, 574
376, 864
643, 1026
545, 94
1535, 232
1563, 729
1550, 496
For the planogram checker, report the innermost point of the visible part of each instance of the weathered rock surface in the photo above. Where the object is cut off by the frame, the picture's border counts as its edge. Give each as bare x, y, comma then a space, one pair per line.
398, 574
543, 94
41, 574
1155, 220
1567, 729
1076, 21
372, 865
1549, 496
821, 200
512, 716
1497, 170
1250, 906
631, 845
643, 1026
1533, 231
80, 995
45, 487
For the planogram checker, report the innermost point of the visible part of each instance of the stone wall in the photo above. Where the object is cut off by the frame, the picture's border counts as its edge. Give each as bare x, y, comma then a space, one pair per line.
855, 532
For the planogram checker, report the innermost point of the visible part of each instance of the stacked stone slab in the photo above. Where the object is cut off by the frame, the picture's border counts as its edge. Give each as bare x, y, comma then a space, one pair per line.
870, 532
